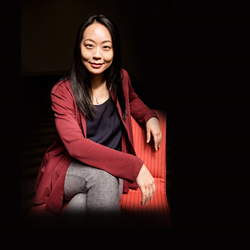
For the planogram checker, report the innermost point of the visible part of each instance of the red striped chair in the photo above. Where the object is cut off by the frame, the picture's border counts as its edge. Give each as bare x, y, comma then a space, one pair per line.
155, 214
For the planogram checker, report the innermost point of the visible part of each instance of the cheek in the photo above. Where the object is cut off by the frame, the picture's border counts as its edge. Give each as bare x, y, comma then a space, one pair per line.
109, 57
85, 55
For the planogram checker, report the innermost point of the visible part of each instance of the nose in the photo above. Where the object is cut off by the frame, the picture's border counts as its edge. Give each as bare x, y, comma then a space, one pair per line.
97, 54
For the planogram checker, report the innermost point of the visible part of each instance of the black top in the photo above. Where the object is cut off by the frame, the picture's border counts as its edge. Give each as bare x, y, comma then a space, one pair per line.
105, 129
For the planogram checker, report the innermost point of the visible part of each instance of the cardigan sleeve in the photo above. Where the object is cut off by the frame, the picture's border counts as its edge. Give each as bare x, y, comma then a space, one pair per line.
138, 109
119, 164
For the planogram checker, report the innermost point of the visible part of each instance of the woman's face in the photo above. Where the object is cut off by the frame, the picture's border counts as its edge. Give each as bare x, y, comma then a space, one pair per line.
96, 48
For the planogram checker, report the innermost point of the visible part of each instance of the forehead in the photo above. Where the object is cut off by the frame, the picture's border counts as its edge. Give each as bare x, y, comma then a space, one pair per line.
96, 31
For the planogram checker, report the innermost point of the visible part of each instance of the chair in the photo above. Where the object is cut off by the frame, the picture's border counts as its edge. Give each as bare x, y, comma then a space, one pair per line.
155, 214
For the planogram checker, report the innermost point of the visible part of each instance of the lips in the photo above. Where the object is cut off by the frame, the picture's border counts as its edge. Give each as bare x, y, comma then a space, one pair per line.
96, 65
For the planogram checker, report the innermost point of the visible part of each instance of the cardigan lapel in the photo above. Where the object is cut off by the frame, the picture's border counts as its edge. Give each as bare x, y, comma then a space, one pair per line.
84, 126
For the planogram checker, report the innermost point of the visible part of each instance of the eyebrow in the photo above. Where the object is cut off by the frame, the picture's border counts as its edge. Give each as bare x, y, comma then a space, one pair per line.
94, 41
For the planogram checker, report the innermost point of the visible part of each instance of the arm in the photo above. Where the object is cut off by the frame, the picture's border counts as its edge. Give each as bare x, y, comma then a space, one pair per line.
119, 164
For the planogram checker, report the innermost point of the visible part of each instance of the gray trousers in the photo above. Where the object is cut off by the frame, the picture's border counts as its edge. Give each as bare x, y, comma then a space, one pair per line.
93, 196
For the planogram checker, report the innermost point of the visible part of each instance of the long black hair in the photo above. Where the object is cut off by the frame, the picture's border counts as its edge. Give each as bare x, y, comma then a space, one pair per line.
78, 75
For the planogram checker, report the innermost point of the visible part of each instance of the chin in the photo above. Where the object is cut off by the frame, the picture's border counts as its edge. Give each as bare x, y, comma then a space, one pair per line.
96, 72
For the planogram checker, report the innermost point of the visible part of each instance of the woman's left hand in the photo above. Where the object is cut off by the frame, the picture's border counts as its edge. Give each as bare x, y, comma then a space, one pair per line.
153, 127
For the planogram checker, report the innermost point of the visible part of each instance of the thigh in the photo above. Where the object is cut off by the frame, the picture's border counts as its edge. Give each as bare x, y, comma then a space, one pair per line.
80, 178
75, 182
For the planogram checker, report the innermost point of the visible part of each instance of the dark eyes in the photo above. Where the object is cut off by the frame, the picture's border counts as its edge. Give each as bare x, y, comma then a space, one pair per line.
89, 46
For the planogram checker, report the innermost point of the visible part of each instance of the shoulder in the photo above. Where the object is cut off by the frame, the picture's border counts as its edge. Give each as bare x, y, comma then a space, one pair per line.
62, 87
125, 80
125, 75
62, 94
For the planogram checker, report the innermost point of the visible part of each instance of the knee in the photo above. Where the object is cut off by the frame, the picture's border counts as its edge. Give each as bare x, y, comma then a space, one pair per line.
106, 181
106, 178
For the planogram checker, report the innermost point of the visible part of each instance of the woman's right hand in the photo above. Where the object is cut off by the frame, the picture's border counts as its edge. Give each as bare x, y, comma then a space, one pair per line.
145, 181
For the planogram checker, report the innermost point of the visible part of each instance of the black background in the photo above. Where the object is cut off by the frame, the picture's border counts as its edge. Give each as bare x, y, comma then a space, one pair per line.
200, 73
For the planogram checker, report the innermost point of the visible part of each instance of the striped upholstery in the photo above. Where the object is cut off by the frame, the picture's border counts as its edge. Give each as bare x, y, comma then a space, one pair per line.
155, 214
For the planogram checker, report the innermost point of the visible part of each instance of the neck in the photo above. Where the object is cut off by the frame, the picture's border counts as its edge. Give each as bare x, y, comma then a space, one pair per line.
97, 81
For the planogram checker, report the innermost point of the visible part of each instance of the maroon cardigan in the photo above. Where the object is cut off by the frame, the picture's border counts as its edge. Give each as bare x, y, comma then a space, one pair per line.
73, 144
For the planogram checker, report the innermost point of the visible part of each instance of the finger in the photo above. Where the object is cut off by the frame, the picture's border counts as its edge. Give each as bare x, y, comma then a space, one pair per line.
150, 193
147, 194
156, 141
143, 196
159, 139
148, 136
144, 200
153, 191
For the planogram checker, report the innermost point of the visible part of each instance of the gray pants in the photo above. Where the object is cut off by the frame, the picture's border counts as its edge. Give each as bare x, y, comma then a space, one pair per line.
93, 196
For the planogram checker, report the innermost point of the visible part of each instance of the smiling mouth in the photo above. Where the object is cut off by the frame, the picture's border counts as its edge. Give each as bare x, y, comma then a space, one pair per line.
96, 65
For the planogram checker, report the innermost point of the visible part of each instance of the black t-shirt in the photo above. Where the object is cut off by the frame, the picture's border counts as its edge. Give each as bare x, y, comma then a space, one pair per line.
105, 129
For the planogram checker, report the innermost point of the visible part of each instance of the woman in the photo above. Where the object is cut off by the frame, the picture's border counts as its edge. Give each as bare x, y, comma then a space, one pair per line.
93, 160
